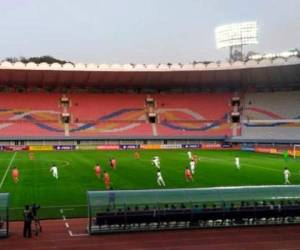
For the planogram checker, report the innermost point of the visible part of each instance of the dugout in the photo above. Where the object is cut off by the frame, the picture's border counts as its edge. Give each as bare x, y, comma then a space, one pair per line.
4, 214
136, 210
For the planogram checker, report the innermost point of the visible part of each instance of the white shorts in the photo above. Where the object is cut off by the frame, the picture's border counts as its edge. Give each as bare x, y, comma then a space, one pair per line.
193, 170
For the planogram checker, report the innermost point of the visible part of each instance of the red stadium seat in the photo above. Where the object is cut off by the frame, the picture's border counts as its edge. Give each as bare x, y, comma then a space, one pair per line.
37, 114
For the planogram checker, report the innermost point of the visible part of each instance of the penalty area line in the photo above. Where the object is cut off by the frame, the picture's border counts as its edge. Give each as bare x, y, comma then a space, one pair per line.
7, 169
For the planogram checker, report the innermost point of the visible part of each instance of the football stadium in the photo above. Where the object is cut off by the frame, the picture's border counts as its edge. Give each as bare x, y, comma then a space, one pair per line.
102, 154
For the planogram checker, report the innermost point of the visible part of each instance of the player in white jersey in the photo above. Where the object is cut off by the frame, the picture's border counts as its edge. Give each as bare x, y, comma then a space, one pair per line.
192, 166
160, 180
156, 162
54, 171
286, 174
237, 162
189, 153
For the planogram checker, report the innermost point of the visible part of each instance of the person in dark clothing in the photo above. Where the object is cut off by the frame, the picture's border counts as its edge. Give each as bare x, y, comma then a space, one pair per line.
1, 222
111, 198
27, 222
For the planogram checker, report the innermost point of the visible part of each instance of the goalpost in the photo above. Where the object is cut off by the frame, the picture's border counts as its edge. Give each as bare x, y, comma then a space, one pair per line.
296, 150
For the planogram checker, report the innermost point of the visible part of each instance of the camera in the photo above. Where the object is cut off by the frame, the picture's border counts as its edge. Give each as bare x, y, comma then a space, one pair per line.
35, 208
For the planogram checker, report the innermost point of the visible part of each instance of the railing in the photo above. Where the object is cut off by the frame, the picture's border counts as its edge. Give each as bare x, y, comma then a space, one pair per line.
106, 121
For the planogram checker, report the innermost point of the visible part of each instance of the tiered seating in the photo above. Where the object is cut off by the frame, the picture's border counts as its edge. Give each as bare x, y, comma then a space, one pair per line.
199, 114
264, 115
88, 107
38, 114
29, 114
276, 105
109, 114
271, 115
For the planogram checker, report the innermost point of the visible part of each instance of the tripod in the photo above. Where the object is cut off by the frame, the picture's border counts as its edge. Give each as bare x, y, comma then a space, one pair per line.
37, 225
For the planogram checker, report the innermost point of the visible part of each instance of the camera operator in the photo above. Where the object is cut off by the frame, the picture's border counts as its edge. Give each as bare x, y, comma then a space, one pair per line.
27, 214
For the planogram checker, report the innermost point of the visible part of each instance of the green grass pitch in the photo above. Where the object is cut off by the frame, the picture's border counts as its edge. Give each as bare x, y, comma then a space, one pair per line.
76, 174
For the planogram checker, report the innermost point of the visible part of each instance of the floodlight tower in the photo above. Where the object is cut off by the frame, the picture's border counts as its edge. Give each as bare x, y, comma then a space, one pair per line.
235, 36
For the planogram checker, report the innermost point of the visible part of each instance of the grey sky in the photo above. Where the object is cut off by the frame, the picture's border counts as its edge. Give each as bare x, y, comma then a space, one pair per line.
139, 31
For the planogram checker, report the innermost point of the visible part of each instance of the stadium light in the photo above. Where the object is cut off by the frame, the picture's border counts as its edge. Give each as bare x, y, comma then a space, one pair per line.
269, 56
235, 36
285, 54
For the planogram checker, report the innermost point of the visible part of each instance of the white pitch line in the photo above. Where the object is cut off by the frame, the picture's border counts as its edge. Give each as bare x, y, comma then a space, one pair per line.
77, 235
68, 226
242, 164
66, 207
8, 167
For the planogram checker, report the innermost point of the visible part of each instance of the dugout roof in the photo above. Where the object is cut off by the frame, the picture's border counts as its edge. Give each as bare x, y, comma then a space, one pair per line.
266, 72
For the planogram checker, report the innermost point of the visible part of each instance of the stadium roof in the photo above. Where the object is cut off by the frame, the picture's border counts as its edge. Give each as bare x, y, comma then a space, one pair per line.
268, 72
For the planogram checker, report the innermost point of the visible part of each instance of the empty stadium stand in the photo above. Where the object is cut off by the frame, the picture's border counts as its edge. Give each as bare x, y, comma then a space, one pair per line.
38, 114
201, 114
271, 115
29, 114
268, 115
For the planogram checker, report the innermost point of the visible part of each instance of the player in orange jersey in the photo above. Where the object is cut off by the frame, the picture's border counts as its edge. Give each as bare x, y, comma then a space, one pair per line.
188, 174
113, 163
137, 155
31, 156
98, 170
15, 175
106, 180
